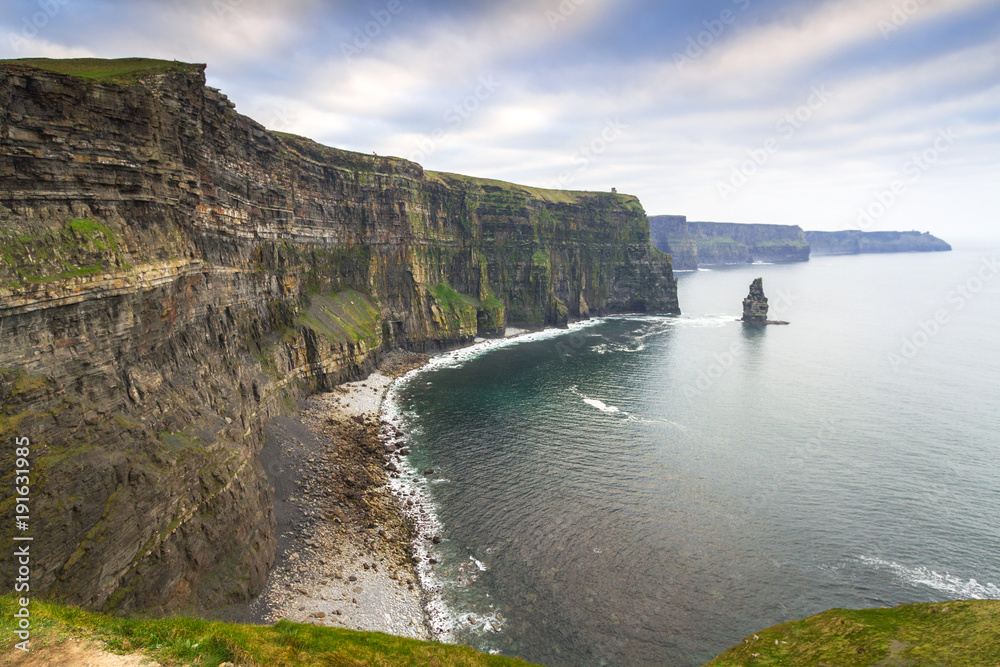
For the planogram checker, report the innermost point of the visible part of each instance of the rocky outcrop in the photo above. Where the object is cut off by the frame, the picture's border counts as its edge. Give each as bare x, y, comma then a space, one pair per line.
755, 305
694, 244
173, 274
855, 242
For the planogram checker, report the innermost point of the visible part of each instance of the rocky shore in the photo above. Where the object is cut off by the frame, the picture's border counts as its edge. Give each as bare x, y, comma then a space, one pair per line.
345, 539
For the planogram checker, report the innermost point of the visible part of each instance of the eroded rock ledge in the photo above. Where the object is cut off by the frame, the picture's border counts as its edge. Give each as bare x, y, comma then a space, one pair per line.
173, 274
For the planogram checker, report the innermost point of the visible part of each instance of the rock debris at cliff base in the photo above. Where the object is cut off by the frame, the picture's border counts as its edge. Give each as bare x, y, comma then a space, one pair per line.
344, 549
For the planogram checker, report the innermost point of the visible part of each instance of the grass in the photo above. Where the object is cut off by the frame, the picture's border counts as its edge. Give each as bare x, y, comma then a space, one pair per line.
721, 241
458, 309
544, 194
82, 247
446, 297
119, 70
943, 633
176, 641
801, 244
346, 316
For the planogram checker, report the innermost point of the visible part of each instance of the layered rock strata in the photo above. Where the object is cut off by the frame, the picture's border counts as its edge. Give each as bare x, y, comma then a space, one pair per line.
755, 305
694, 244
174, 274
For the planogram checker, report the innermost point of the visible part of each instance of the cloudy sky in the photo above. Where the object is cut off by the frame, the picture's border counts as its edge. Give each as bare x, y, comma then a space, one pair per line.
835, 114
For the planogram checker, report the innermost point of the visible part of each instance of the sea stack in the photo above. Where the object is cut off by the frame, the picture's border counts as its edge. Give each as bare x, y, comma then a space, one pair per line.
755, 305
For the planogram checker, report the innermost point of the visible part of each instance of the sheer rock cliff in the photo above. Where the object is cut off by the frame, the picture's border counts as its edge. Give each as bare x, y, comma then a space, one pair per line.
856, 242
174, 274
694, 244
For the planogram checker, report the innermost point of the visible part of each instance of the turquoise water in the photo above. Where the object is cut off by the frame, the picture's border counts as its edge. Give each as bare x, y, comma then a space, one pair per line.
649, 490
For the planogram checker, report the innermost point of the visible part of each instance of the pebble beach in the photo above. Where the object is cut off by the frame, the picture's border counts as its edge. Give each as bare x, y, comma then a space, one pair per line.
345, 553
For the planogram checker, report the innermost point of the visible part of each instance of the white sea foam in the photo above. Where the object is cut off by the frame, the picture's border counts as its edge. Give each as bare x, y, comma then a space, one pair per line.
458, 358
955, 587
660, 324
600, 405
444, 619
408, 486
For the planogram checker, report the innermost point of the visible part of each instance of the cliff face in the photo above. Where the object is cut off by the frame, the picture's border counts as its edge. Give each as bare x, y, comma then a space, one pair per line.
173, 274
707, 243
854, 242
670, 234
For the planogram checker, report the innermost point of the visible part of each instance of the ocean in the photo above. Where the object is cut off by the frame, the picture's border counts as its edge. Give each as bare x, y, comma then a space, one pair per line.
645, 490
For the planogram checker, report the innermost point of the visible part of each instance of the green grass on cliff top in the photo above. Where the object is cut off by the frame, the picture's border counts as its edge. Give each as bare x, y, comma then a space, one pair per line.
545, 194
176, 641
948, 633
120, 70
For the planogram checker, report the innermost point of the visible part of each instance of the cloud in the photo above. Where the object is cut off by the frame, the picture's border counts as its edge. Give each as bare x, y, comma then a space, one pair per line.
797, 40
562, 69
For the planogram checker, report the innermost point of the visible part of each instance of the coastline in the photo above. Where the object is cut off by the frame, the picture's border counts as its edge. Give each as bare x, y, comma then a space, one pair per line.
355, 522
344, 542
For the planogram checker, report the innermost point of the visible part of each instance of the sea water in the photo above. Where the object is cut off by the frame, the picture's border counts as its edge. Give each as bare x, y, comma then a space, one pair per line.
647, 490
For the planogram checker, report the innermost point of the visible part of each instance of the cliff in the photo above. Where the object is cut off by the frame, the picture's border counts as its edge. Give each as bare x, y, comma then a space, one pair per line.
707, 243
670, 234
174, 274
854, 242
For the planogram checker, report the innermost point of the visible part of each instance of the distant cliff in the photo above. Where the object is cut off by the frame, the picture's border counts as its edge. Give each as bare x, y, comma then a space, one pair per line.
670, 234
173, 274
694, 244
854, 242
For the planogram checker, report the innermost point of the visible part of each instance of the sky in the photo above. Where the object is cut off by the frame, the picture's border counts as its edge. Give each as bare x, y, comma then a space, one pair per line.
838, 114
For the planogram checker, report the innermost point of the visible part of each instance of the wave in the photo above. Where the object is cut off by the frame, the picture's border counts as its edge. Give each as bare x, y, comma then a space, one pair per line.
597, 403
445, 619
601, 405
409, 486
604, 348
458, 358
955, 587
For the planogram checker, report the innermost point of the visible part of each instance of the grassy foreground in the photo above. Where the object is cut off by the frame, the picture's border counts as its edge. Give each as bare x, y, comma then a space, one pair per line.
945, 633
176, 641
